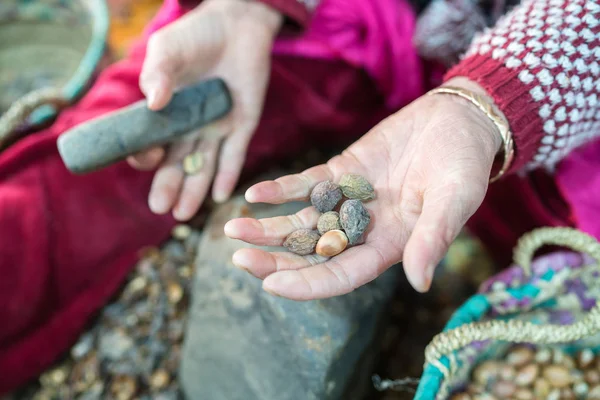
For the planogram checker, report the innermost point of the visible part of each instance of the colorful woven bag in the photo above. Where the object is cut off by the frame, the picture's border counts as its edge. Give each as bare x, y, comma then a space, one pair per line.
549, 301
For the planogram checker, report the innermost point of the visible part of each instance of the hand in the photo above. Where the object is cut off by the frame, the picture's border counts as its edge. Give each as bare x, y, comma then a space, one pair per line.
429, 164
230, 39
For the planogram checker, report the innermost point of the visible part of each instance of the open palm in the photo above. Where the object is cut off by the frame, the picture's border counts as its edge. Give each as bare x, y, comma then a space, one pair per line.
429, 165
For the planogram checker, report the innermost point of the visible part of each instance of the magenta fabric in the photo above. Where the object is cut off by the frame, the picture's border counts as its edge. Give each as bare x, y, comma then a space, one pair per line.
578, 178
374, 35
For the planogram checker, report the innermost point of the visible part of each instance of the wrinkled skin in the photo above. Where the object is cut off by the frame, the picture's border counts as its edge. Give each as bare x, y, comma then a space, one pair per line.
210, 41
429, 164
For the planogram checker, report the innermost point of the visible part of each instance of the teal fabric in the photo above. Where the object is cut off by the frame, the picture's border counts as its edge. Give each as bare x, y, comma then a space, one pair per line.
472, 310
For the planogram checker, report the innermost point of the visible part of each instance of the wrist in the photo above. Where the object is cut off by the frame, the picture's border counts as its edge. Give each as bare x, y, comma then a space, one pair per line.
496, 131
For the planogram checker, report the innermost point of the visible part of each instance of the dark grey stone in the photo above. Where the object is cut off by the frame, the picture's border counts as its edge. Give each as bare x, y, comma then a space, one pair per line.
245, 344
113, 137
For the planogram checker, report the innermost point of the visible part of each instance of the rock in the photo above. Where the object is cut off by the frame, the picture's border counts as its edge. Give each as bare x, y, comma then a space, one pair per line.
557, 375
114, 344
242, 343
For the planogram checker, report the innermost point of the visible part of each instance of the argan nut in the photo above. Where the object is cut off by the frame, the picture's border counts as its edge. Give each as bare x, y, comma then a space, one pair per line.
504, 389
557, 375
332, 243
325, 196
329, 221
585, 358
541, 388
302, 241
594, 393
520, 356
523, 394
527, 375
356, 187
485, 372
355, 219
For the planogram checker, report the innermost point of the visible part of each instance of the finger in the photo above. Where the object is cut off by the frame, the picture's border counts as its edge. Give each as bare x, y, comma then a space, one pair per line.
337, 276
271, 231
289, 188
445, 211
168, 179
231, 160
147, 160
196, 186
262, 263
166, 59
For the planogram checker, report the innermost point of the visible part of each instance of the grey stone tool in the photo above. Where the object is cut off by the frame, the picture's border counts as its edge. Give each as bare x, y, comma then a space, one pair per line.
103, 141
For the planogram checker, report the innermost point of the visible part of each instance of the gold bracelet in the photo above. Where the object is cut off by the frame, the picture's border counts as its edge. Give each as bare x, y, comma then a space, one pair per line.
499, 120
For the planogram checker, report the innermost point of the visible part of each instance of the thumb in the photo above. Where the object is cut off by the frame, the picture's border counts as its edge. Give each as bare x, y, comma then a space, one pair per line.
176, 55
157, 76
446, 210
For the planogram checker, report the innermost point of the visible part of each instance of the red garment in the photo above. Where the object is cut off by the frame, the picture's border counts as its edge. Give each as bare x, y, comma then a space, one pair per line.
70, 240
540, 63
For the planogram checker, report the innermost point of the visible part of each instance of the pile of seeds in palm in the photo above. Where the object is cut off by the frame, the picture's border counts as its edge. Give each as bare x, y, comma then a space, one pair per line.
132, 351
335, 229
528, 373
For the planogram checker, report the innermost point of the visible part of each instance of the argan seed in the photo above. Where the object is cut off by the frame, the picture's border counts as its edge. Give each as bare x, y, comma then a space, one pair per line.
325, 196
329, 221
193, 163
504, 389
520, 356
541, 388
356, 187
585, 358
507, 373
581, 389
557, 375
543, 356
567, 394
485, 372
159, 379
527, 375
181, 232
594, 393
302, 241
592, 377
523, 394
355, 219
332, 243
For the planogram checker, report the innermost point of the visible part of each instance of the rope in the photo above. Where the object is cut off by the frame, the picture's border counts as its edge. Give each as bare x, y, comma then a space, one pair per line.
20, 110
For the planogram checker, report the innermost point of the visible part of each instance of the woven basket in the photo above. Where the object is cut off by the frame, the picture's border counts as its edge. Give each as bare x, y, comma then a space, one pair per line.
49, 51
551, 300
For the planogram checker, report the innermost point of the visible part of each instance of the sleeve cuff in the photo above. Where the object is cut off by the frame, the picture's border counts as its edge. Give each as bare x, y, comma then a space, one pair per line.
512, 97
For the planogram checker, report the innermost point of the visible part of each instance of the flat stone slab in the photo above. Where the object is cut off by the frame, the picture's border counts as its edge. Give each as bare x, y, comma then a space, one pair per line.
245, 344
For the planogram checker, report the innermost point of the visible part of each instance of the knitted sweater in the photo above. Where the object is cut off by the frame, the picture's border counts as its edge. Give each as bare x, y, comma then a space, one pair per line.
540, 63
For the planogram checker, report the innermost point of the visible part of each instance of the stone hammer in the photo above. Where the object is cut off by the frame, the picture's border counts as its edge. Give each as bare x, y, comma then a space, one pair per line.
111, 138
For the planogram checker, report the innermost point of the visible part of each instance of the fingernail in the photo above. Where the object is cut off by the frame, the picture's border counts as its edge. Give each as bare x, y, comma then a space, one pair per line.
180, 213
158, 204
240, 261
220, 197
151, 97
428, 277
